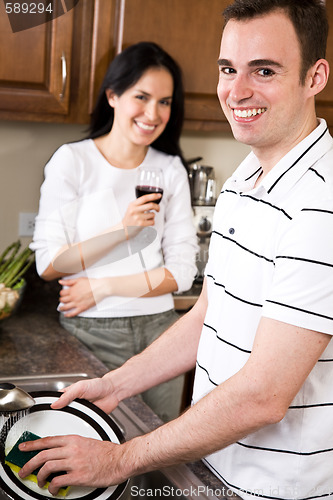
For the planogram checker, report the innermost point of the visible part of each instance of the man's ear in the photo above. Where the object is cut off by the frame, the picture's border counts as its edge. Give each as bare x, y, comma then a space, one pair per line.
318, 76
111, 97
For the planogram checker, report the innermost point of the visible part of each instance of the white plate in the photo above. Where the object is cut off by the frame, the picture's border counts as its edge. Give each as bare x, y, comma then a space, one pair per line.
80, 417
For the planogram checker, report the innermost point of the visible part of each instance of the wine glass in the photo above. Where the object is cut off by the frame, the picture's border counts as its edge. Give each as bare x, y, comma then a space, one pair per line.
149, 180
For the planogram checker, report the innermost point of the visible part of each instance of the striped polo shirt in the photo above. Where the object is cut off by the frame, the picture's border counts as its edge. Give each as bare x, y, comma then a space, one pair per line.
271, 254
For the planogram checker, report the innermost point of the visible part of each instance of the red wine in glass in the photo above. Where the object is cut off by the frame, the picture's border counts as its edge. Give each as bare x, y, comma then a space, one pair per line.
142, 190
149, 180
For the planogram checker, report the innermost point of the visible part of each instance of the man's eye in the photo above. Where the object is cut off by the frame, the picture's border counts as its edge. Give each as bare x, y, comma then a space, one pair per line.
265, 72
226, 70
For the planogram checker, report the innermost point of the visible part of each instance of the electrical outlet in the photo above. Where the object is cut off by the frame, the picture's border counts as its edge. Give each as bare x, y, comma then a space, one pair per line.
27, 223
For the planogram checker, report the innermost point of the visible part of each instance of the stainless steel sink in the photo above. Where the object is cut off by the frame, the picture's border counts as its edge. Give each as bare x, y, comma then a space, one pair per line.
176, 482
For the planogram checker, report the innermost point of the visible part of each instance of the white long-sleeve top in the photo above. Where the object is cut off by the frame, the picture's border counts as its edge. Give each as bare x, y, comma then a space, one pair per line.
83, 196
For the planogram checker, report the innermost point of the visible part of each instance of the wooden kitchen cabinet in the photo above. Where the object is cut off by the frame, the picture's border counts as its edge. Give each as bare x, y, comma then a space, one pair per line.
190, 30
34, 65
88, 37
324, 102
48, 72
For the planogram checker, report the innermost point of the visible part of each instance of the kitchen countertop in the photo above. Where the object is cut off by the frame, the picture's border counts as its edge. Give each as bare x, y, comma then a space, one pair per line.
32, 342
184, 301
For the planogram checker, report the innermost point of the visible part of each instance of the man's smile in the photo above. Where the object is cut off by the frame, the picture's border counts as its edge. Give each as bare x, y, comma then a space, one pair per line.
248, 113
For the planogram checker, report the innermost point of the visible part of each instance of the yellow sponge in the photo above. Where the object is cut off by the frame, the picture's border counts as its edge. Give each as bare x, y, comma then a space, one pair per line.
16, 458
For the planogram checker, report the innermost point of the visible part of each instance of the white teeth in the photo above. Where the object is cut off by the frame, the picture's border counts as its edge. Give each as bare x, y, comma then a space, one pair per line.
144, 126
243, 113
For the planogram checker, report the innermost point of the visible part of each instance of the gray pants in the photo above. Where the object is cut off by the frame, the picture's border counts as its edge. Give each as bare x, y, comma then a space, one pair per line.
114, 340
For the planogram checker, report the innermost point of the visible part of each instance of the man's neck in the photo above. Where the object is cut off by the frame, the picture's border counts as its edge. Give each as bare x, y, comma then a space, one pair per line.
269, 157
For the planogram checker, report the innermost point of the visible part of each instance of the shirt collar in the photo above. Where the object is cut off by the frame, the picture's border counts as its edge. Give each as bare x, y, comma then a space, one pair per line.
288, 170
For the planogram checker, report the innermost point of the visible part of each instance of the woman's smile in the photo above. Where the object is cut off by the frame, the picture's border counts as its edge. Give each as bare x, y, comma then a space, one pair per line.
145, 126
142, 112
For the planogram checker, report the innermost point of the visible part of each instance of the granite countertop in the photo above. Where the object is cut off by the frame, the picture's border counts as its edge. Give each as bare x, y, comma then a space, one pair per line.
32, 342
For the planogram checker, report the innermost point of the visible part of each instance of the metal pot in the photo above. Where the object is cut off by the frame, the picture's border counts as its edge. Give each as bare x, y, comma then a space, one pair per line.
202, 183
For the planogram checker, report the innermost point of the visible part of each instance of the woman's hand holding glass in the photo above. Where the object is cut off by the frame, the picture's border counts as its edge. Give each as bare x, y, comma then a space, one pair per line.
149, 191
141, 212
149, 180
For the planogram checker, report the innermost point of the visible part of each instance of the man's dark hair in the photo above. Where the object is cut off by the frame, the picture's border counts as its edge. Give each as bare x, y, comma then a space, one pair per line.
309, 18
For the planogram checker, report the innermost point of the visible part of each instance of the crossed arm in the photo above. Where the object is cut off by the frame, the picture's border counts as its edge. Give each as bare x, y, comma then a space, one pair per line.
81, 294
72, 259
259, 394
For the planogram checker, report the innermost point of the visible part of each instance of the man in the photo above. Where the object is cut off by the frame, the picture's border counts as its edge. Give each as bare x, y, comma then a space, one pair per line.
260, 332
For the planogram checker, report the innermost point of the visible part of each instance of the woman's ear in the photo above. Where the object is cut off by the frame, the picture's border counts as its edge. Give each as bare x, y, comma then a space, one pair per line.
318, 75
111, 97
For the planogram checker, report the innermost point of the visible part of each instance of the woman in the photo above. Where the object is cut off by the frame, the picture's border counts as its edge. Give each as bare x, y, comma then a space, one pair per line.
120, 258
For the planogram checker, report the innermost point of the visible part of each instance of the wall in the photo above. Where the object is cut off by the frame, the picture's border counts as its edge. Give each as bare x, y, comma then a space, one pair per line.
218, 150
24, 150
26, 147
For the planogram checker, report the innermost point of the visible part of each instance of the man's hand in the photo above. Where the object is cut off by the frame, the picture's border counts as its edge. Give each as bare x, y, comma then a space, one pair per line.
99, 391
87, 462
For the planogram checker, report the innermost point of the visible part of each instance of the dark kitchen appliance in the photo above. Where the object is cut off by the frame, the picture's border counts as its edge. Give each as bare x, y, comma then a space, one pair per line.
202, 183
203, 222
203, 194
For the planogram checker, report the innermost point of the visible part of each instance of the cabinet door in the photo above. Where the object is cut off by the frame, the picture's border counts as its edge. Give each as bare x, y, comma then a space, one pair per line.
35, 66
324, 102
190, 30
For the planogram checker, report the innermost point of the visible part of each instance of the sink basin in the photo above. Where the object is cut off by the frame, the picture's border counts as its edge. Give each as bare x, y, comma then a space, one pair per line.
174, 482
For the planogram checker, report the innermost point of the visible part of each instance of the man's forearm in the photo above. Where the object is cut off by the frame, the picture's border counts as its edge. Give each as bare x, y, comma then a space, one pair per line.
219, 419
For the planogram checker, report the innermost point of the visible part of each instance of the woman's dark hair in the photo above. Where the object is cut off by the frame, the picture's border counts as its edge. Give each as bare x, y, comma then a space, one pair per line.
124, 71
309, 18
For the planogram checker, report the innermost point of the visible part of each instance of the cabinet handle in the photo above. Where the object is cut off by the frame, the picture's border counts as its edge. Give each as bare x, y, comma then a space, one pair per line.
64, 76
120, 31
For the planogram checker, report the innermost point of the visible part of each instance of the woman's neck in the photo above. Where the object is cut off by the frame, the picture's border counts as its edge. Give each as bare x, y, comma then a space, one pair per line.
120, 154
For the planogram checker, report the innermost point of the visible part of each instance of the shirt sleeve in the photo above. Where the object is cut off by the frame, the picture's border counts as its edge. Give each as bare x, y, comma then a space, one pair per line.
302, 289
56, 219
179, 242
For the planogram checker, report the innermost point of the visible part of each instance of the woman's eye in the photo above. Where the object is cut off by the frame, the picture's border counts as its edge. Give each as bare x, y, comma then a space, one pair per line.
165, 102
141, 97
